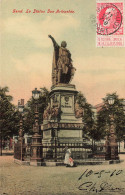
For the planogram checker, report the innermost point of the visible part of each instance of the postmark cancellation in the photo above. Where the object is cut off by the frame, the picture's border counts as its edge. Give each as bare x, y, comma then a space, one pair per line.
110, 23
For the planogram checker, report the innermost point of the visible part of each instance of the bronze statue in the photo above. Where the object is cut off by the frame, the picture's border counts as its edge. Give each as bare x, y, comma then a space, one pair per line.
62, 68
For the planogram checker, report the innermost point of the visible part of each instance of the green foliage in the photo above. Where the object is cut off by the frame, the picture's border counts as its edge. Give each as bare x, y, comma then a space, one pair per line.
9, 118
103, 119
88, 116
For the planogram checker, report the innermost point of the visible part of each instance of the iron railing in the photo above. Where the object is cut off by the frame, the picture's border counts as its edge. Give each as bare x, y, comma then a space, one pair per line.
56, 151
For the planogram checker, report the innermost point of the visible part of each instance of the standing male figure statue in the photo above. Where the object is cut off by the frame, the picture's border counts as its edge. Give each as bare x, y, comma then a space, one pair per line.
62, 68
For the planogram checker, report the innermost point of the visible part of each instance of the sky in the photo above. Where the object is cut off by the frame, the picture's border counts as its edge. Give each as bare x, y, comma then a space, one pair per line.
26, 52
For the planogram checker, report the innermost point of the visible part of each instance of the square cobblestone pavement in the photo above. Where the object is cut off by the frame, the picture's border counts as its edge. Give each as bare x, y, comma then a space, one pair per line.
28, 180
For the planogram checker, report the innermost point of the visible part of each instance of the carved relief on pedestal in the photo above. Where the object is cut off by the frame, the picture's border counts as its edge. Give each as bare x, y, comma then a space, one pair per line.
47, 112
55, 106
78, 111
55, 101
52, 111
62, 126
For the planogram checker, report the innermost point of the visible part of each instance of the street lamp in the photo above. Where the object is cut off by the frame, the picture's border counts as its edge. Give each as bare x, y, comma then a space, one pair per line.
20, 108
21, 139
36, 146
35, 94
113, 146
111, 100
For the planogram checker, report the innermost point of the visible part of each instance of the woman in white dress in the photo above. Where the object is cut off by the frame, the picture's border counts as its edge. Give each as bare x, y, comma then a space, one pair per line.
67, 157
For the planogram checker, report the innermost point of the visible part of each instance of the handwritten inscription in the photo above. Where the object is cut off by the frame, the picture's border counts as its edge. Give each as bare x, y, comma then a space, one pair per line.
104, 186
97, 185
99, 173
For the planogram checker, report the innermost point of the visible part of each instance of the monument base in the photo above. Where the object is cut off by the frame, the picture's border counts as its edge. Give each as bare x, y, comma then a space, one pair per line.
72, 134
60, 120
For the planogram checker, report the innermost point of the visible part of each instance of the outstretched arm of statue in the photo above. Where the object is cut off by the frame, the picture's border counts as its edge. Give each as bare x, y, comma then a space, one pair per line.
55, 44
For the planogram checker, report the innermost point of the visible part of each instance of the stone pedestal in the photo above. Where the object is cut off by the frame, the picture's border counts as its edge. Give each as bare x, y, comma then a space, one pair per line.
36, 153
36, 146
60, 116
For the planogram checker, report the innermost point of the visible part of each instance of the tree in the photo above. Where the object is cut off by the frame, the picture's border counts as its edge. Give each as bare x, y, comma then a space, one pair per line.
30, 108
103, 119
8, 116
89, 129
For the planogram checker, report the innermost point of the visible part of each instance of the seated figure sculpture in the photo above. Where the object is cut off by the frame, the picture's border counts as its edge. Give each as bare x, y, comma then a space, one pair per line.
62, 68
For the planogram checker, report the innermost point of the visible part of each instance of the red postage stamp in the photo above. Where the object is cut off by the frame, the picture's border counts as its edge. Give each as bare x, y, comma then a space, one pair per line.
110, 28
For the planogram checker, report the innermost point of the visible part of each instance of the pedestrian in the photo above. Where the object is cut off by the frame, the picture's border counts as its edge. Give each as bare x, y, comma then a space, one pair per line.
68, 160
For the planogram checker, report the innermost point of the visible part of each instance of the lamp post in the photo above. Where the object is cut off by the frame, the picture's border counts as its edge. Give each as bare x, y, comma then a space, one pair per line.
111, 139
36, 146
21, 139
20, 108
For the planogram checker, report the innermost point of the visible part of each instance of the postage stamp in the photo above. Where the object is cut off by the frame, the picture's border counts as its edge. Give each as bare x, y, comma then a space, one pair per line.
110, 23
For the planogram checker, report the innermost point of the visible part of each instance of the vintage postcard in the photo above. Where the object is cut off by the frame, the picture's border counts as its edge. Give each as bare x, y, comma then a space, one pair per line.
62, 97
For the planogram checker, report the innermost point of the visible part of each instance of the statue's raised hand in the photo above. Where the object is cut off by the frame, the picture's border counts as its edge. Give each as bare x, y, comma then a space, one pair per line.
49, 36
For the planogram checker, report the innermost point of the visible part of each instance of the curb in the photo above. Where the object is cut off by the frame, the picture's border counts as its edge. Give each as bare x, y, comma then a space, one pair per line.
54, 164
20, 162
